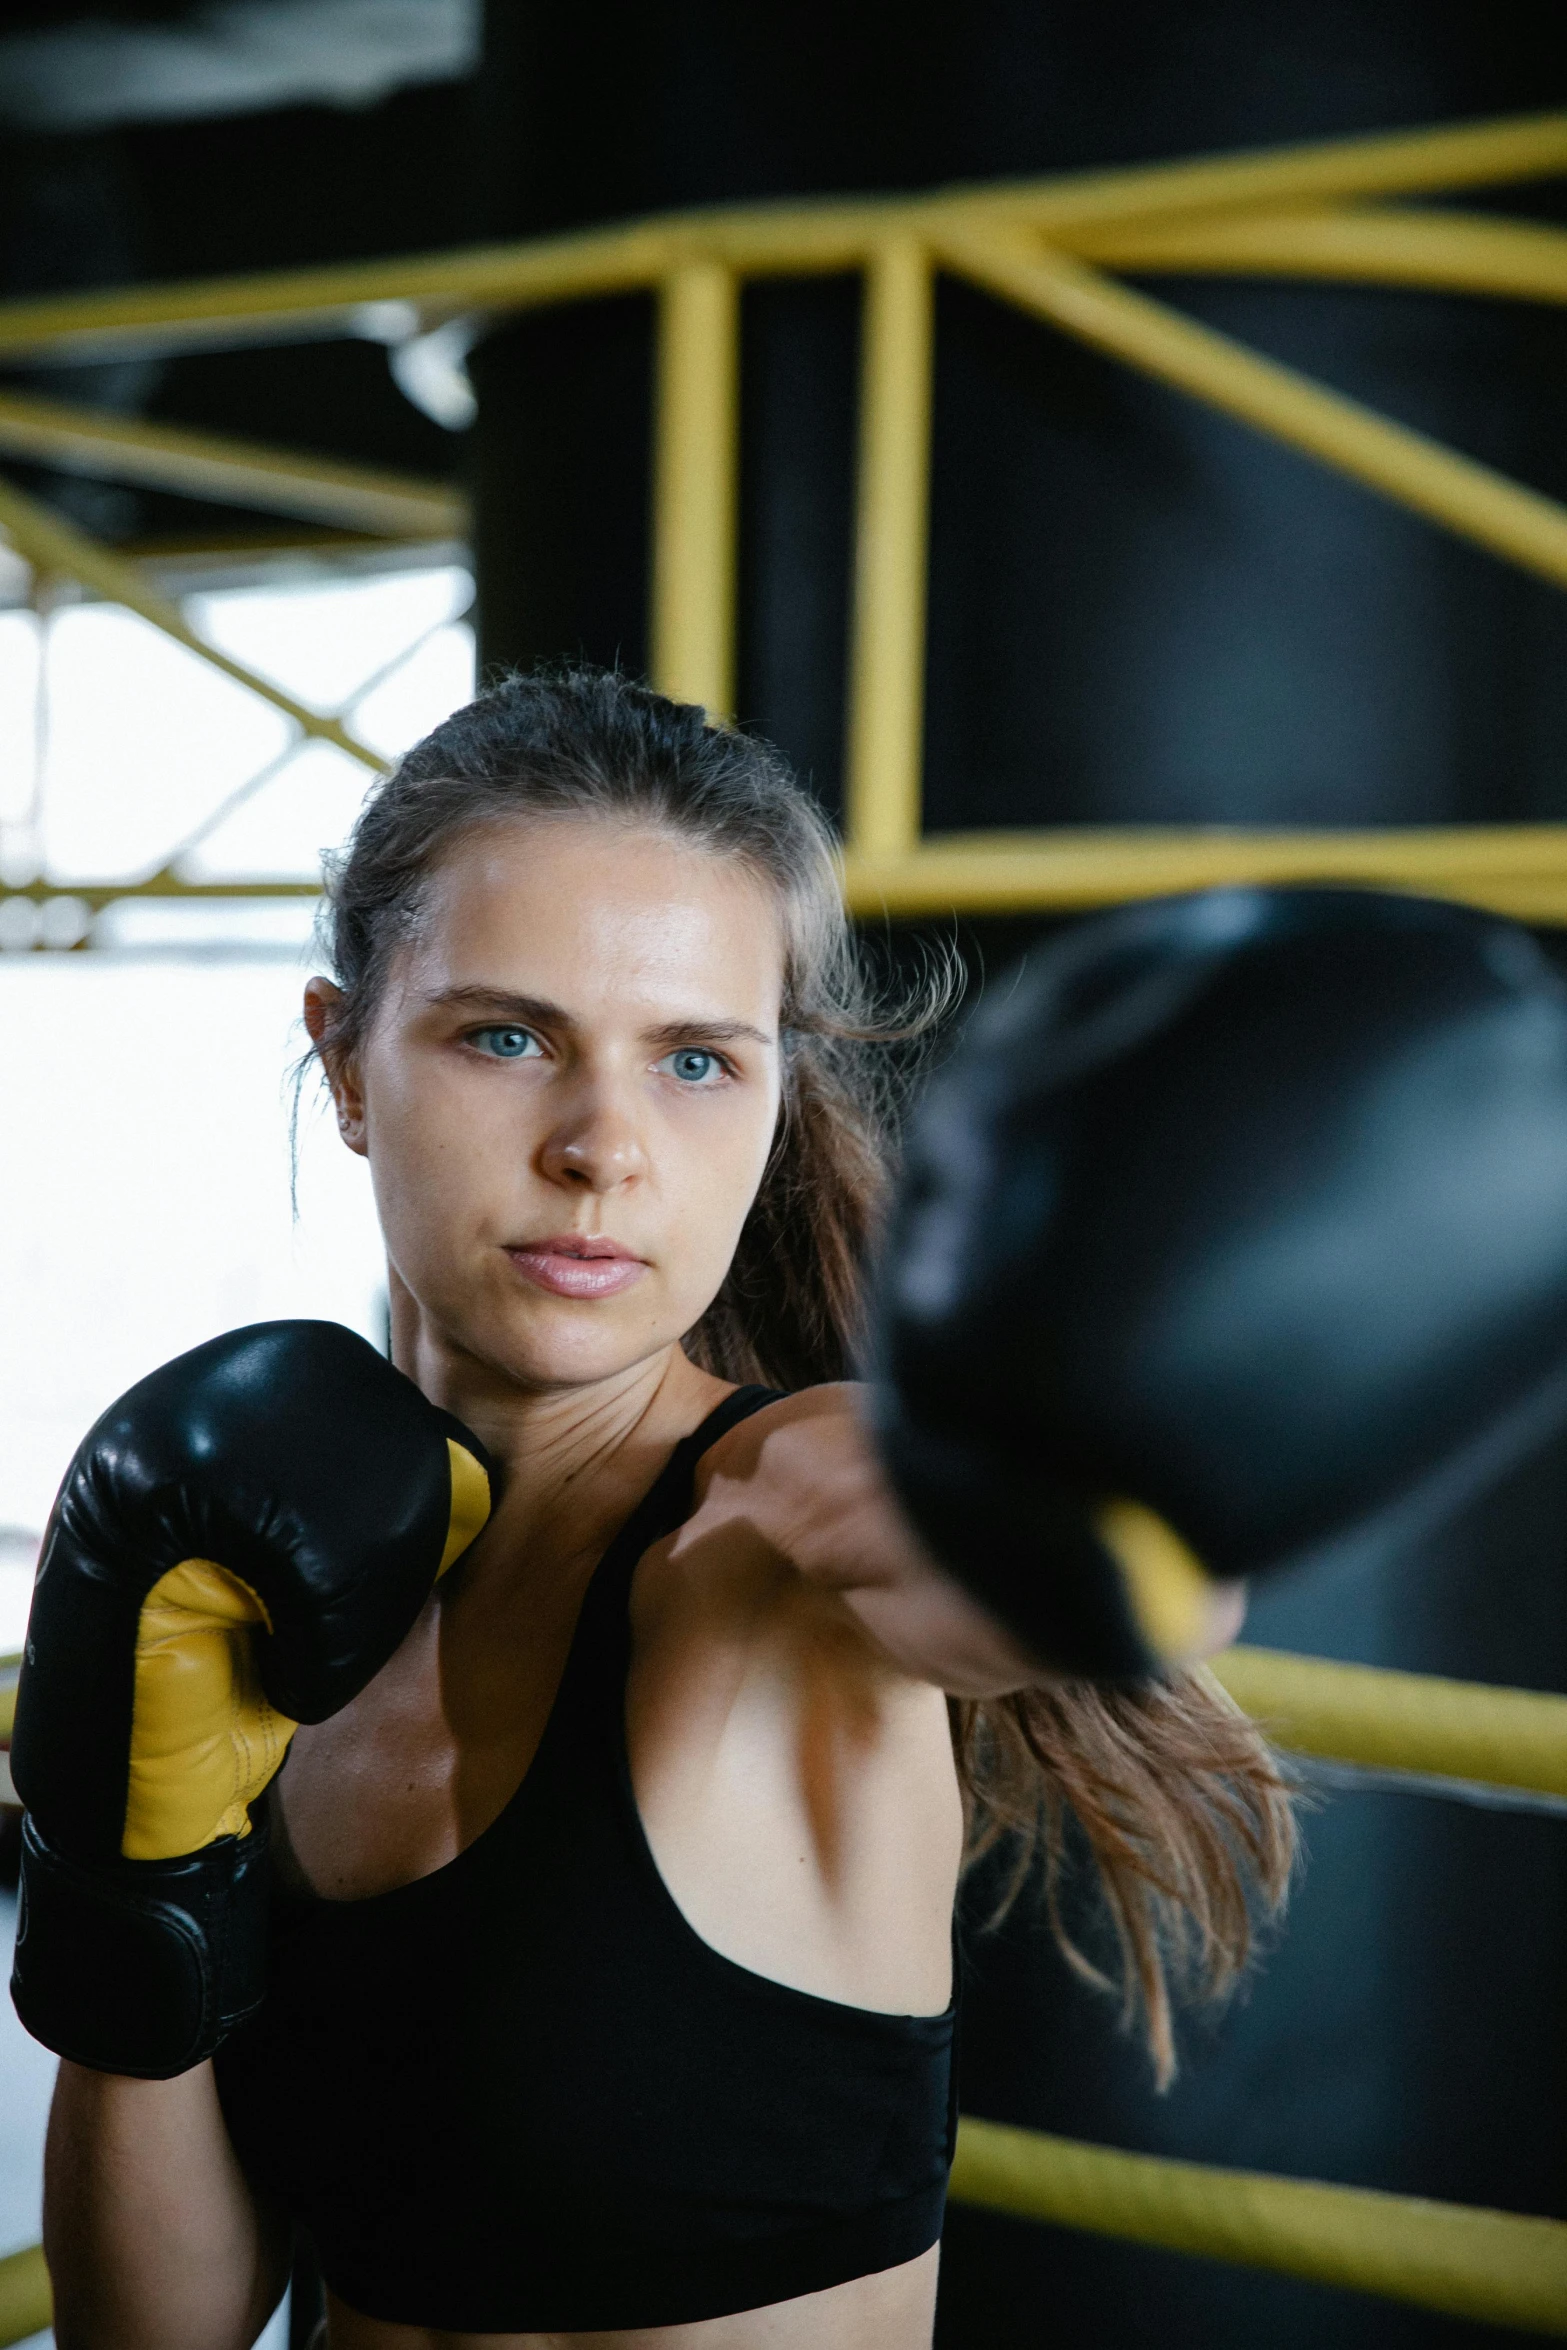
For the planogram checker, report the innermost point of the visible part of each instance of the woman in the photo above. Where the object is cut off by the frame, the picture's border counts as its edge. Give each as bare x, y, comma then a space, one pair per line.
612, 1992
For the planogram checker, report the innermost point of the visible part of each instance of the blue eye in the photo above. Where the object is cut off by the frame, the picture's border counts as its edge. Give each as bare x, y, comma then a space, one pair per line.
692, 1065
506, 1044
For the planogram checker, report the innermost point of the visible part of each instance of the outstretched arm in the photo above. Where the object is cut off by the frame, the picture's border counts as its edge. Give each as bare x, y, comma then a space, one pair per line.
805, 1475
154, 2240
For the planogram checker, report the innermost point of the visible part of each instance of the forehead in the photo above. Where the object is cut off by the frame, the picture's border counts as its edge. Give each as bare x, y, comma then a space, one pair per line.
598, 916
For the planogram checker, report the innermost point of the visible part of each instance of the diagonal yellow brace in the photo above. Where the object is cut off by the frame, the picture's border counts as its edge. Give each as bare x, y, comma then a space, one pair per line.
1465, 497
51, 544
211, 465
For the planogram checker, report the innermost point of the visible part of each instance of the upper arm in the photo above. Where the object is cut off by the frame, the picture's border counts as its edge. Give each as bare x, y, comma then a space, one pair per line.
797, 1787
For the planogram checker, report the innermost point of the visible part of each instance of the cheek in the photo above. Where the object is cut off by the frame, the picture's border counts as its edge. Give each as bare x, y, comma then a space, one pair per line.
721, 1162
428, 1149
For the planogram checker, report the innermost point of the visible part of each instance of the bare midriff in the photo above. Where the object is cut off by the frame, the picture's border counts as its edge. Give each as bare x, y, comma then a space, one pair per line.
893, 2310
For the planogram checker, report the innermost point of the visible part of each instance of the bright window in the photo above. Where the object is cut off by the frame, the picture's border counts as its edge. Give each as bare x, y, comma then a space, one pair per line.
144, 1160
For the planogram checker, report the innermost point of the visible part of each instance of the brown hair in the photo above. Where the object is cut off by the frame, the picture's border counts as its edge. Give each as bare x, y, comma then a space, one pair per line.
1180, 1805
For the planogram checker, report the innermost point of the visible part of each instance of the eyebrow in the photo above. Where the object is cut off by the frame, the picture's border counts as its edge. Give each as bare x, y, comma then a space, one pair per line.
537, 1011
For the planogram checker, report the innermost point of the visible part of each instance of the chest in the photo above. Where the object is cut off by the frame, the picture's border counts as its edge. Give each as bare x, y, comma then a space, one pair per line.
400, 1781
796, 1799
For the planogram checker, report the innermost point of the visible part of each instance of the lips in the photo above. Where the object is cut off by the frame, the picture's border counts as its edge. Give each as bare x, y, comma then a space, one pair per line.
574, 1264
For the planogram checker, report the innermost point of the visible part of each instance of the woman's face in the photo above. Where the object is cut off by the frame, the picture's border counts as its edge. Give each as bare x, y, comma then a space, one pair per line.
569, 1093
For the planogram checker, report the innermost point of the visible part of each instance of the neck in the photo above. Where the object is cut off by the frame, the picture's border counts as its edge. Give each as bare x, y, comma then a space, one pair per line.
574, 1460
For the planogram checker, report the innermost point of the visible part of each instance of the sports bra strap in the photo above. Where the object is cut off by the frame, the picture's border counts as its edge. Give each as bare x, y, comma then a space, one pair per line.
729, 1414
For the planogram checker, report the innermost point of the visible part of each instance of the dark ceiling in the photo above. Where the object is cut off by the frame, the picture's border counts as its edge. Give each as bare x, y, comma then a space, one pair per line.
256, 186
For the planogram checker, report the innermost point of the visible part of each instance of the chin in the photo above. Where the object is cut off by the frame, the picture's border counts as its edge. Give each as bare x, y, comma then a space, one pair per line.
571, 1345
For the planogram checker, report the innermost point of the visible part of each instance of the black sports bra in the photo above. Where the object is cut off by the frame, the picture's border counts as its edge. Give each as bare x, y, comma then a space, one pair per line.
523, 2095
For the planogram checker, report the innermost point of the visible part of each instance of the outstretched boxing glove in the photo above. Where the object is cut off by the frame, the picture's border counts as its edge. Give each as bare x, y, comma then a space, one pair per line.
239, 1546
1237, 1224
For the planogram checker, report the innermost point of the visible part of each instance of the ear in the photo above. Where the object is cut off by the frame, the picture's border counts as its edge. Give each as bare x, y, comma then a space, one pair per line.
323, 1009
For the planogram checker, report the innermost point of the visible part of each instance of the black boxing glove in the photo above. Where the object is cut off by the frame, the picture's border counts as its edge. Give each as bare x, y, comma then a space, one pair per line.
1236, 1223
239, 1545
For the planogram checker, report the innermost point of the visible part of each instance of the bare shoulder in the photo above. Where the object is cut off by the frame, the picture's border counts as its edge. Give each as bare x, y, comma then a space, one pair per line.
794, 1512
785, 1514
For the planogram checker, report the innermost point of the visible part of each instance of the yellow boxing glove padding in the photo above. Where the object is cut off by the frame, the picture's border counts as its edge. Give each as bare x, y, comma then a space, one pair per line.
204, 1740
470, 1504
1167, 1587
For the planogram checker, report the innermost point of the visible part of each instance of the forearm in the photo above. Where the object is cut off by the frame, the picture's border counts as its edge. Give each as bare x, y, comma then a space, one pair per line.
153, 2237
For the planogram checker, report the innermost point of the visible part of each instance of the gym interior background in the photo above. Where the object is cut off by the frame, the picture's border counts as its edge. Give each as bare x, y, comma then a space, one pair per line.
1139, 618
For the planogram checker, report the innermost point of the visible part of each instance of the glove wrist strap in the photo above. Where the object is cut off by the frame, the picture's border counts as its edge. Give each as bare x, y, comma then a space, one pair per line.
140, 1966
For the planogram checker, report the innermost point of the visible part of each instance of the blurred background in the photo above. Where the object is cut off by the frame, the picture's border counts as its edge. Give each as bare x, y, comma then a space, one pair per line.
980, 570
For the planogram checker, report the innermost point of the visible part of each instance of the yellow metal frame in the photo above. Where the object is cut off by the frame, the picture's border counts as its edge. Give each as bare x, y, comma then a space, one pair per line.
1332, 211
56, 548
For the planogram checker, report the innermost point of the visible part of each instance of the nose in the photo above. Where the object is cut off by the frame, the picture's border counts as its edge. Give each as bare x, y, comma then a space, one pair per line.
594, 1144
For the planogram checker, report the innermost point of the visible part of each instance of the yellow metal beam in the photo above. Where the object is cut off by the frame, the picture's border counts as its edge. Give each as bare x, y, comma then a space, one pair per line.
243, 473
1467, 498
1428, 162
887, 657
162, 884
1441, 252
52, 545
358, 299
1510, 868
759, 240
1495, 2267
696, 487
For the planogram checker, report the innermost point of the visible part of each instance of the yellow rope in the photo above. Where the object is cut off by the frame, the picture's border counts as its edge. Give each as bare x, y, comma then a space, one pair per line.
26, 2305
1492, 2266
1363, 1714
1402, 1721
